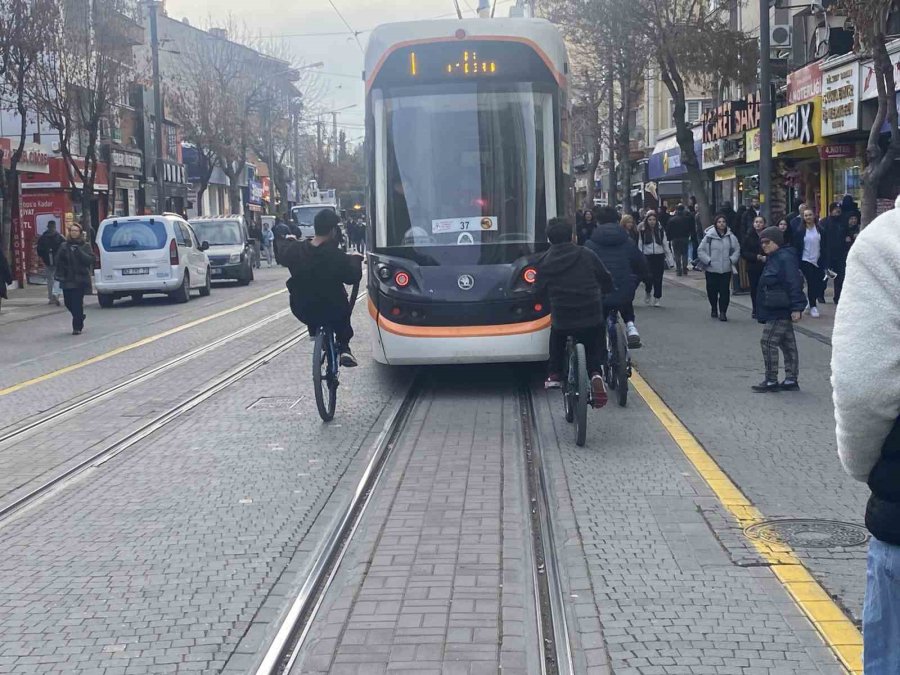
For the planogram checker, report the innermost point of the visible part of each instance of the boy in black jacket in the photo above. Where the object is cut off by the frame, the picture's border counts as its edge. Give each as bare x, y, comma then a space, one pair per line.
319, 271
574, 280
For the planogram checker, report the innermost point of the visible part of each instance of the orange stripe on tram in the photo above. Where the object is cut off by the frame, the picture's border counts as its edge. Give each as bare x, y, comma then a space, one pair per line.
498, 330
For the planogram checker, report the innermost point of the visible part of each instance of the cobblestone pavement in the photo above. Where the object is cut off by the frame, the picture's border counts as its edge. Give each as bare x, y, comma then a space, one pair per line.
439, 579
161, 560
780, 449
44, 345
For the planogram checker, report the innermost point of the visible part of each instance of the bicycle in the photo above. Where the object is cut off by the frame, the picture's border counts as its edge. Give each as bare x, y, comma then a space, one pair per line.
617, 370
326, 366
576, 387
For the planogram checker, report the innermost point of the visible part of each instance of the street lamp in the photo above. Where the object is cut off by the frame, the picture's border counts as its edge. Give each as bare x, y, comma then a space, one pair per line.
765, 116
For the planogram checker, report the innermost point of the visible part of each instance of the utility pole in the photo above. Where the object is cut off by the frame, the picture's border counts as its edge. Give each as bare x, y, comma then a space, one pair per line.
611, 103
153, 8
320, 151
765, 113
334, 136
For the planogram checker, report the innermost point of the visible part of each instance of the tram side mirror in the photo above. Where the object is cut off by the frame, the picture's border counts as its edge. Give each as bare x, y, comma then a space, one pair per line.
204, 245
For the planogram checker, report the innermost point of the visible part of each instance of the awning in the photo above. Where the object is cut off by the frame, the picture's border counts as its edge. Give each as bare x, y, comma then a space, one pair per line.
665, 162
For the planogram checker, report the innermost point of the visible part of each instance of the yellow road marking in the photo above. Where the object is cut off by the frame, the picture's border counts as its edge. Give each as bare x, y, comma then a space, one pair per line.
838, 632
134, 345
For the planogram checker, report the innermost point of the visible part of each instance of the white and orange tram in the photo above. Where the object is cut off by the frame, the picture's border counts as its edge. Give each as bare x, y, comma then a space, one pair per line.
468, 158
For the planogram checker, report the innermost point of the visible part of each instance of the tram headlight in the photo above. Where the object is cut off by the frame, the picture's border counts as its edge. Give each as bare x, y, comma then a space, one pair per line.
529, 275
384, 272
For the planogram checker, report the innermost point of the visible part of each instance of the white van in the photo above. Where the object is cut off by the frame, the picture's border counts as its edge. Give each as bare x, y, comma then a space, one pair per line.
149, 254
304, 214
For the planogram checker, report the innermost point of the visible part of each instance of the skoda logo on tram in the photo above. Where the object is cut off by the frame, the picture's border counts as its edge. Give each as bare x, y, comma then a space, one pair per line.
466, 282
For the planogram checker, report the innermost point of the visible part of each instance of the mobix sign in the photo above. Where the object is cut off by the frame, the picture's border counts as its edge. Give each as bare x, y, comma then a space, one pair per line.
796, 125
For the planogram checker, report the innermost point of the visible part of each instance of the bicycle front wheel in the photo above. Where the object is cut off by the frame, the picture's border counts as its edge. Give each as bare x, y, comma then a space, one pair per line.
582, 395
323, 368
621, 373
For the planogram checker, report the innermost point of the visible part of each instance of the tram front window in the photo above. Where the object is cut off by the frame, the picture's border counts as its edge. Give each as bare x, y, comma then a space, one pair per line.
470, 166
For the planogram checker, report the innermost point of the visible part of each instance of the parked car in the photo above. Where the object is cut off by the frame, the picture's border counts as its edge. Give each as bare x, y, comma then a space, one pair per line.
136, 255
231, 253
304, 214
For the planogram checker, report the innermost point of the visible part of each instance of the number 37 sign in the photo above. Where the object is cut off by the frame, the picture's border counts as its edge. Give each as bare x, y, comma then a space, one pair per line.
474, 224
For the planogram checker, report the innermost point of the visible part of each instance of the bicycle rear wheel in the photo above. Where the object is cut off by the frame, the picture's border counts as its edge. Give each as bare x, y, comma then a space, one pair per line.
569, 385
609, 368
621, 374
324, 380
582, 395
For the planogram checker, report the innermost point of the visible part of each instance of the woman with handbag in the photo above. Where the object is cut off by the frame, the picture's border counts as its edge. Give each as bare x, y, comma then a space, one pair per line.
718, 253
654, 245
780, 304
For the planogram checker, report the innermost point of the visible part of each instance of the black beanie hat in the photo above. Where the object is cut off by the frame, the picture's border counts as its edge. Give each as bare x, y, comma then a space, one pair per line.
773, 234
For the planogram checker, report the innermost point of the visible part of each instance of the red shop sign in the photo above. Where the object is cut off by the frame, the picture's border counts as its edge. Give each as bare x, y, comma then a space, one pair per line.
804, 83
837, 151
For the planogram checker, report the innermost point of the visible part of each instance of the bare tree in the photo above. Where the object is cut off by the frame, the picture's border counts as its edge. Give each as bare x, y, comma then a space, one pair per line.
870, 17
79, 80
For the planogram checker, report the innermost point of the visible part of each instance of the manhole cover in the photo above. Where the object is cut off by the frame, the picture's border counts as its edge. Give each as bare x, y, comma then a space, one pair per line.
274, 403
800, 533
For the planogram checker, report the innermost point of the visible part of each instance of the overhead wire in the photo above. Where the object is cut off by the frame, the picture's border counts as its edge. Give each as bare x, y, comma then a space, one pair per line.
347, 24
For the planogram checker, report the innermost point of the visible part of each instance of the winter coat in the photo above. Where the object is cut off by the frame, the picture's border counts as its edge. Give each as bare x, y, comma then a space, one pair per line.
318, 275
750, 249
652, 241
746, 223
718, 253
866, 375
836, 231
625, 263
585, 230
5, 275
573, 280
680, 227
798, 242
47, 246
74, 265
780, 289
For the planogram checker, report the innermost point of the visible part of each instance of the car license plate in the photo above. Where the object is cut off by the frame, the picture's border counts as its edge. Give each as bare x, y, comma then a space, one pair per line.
216, 273
135, 270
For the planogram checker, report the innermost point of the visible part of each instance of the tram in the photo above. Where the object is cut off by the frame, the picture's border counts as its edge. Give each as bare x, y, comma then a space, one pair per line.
468, 158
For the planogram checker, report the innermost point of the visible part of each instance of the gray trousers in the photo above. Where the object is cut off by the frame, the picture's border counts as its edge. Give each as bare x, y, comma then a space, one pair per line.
51, 281
779, 334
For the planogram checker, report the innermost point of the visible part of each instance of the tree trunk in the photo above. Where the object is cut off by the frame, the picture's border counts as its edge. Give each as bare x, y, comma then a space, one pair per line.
234, 196
869, 207
592, 172
200, 193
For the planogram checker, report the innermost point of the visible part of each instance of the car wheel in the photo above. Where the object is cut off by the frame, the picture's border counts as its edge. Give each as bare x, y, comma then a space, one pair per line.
246, 277
207, 287
106, 300
183, 294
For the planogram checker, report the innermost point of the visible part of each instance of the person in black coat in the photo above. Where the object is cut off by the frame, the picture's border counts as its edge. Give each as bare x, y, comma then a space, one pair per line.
586, 228
836, 231
628, 268
6, 277
779, 305
680, 231
47, 247
754, 257
74, 266
573, 280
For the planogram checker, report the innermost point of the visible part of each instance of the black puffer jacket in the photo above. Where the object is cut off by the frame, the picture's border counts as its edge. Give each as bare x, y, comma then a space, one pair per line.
780, 288
318, 275
74, 265
573, 280
625, 263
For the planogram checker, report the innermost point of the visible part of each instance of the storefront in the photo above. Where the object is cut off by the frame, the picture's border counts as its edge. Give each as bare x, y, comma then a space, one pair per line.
176, 186
798, 133
725, 149
842, 146
666, 170
126, 168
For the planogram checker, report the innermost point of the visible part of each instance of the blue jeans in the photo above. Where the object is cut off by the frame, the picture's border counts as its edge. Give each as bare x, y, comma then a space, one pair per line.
881, 611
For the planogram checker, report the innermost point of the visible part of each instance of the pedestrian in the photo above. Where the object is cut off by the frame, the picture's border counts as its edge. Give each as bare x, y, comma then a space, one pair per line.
836, 231
255, 232
586, 229
679, 232
797, 219
281, 231
47, 247
719, 252
755, 257
630, 228
6, 277
811, 250
747, 219
653, 243
852, 228
866, 384
74, 263
784, 224
779, 305
268, 243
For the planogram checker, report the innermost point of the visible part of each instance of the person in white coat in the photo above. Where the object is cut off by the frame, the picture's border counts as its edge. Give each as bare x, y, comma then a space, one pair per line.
718, 254
653, 244
865, 367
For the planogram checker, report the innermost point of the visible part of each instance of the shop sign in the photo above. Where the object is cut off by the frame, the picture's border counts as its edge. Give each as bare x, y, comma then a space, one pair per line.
732, 117
266, 189
752, 146
798, 126
726, 174
837, 151
131, 162
733, 149
805, 83
665, 162
35, 159
712, 155
840, 100
256, 192
868, 85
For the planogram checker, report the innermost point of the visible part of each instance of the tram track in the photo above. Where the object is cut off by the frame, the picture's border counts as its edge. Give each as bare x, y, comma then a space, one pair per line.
555, 651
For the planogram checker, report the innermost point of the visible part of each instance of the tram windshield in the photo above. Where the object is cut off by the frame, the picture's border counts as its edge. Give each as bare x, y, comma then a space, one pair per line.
464, 166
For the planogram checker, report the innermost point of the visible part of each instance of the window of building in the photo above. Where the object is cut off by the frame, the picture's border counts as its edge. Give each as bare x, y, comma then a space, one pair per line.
694, 109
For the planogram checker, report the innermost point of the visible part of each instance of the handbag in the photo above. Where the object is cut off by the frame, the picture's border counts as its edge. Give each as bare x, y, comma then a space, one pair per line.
670, 258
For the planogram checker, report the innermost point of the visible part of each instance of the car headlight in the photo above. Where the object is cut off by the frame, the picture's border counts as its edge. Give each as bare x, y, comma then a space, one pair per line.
235, 258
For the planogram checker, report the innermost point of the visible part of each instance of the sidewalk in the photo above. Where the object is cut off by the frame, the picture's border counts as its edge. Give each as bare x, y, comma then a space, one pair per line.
27, 303
819, 328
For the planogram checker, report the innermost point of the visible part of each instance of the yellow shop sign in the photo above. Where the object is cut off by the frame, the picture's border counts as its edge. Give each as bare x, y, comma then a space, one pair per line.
798, 126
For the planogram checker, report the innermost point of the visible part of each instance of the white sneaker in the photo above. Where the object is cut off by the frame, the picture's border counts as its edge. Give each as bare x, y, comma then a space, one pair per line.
657, 302
814, 312
647, 299
631, 330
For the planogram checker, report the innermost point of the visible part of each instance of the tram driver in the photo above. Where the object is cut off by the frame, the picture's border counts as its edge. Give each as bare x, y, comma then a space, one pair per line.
574, 280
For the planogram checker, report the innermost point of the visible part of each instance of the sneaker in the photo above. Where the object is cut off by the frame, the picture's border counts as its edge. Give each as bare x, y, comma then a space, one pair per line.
553, 381
634, 338
722, 317
76, 332
657, 302
814, 312
790, 384
347, 359
766, 386
598, 391
647, 299
56, 301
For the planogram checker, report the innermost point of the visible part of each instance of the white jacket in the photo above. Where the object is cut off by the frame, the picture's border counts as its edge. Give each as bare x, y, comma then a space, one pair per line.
865, 356
654, 247
718, 254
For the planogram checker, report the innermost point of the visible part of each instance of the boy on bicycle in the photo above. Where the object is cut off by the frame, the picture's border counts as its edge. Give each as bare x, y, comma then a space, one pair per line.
574, 280
319, 271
